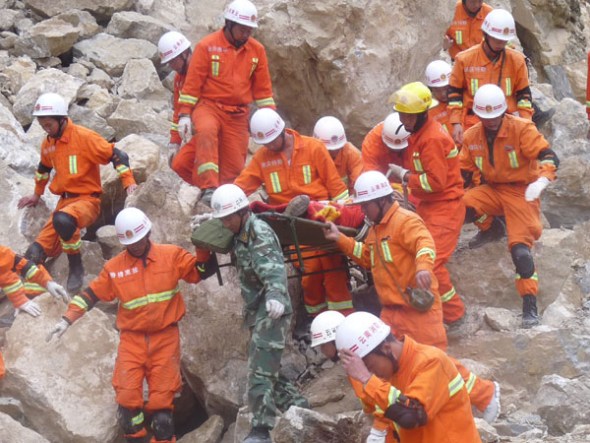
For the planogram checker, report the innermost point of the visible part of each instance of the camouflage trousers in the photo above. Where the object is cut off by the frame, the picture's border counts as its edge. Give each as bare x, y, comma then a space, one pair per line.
269, 392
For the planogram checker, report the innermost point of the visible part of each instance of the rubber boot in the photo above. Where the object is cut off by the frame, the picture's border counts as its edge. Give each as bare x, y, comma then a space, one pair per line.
530, 317
495, 232
76, 273
258, 435
297, 207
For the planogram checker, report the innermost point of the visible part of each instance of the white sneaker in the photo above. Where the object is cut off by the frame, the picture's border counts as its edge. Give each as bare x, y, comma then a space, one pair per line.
493, 410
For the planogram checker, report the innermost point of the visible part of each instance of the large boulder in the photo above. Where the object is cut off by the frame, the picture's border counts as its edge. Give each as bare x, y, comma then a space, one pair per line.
18, 73
132, 117
48, 38
129, 24
65, 386
13, 431
140, 81
102, 10
14, 147
111, 54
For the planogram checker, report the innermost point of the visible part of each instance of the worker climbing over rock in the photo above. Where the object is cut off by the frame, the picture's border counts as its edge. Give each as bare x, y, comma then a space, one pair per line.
74, 154
175, 51
144, 280
400, 252
267, 306
416, 386
516, 164
227, 72
433, 176
291, 165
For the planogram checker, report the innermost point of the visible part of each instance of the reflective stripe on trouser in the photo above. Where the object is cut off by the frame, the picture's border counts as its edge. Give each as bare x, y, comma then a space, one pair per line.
424, 327
527, 286
444, 219
326, 290
480, 390
85, 209
269, 392
153, 356
217, 153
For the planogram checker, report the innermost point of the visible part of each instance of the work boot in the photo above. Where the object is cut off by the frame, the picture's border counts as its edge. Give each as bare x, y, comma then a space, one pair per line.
495, 232
454, 328
530, 317
493, 410
258, 435
297, 207
206, 196
76, 273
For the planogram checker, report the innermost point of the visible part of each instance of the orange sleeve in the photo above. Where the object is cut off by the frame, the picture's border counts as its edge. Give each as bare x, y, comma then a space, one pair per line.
357, 251
524, 105
10, 282
417, 238
42, 173
354, 165
261, 83
456, 81
198, 70
329, 174
532, 143
465, 160
174, 136
250, 179
31, 272
186, 264
370, 157
99, 289
434, 163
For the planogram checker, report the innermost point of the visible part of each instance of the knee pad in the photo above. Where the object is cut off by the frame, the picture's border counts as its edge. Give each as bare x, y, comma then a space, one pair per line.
64, 224
131, 420
470, 215
35, 253
523, 260
163, 425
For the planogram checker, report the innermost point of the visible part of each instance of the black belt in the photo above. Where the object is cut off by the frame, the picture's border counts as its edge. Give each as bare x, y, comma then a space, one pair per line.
72, 195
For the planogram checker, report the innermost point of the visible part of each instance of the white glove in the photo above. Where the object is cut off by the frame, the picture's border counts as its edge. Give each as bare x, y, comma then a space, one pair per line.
274, 308
58, 330
172, 151
185, 128
396, 172
58, 291
30, 307
534, 189
196, 220
377, 436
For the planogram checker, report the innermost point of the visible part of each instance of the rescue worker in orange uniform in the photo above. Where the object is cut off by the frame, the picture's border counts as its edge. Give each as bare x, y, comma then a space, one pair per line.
144, 280
323, 334
15, 269
385, 144
417, 386
400, 252
437, 76
434, 178
75, 154
465, 29
346, 156
517, 164
489, 62
228, 71
175, 51
290, 165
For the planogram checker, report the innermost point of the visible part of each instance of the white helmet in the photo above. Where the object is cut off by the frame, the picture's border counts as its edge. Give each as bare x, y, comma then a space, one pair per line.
266, 125
499, 24
132, 225
371, 185
438, 74
323, 327
489, 102
51, 105
171, 45
242, 12
228, 199
361, 332
394, 134
331, 132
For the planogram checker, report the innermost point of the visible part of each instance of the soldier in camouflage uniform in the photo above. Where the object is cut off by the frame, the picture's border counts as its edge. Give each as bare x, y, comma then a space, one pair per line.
267, 306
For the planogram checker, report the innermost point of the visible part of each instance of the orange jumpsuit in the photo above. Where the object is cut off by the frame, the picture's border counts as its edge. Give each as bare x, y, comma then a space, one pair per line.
426, 374
76, 158
11, 265
473, 69
150, 307
436, 181
349, 165
220, 84
466, 30
508, 168
441, 114
311, 171
406, 246
178, 83
375, 154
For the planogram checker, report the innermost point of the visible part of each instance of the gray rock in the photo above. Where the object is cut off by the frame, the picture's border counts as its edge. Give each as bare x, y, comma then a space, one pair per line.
140, 81
107, 238
102, 10
208, 432
92, 120
129, 24
500, 319
132, 117
48, 38
18, 73
101, 78
8, 19
13, 431
112, 54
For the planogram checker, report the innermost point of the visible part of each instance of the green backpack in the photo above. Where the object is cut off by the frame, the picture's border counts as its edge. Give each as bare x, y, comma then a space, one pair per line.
212, 235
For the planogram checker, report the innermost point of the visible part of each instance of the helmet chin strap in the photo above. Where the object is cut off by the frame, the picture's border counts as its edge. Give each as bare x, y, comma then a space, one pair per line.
237, 43
496, 53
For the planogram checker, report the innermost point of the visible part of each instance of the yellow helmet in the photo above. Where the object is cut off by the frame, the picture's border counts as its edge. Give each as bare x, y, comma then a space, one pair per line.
412, 98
